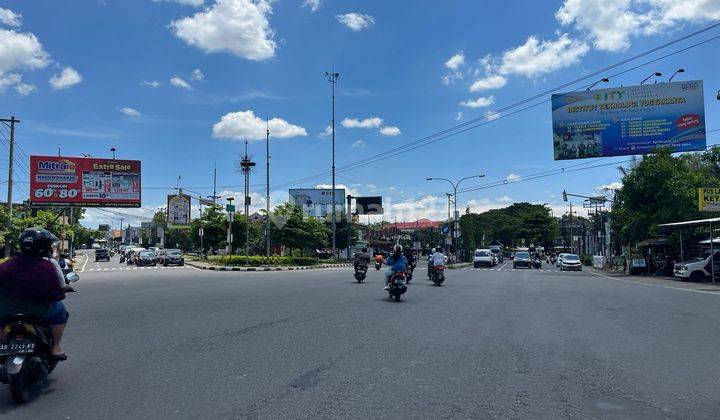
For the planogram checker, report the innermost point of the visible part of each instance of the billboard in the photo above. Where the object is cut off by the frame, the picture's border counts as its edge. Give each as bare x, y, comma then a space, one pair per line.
84, 182
317, 202
629, 120
369, 205
178, 209
709, 199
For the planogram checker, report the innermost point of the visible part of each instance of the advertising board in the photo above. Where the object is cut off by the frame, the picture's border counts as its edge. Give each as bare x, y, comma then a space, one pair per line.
629, 120
84, 182
317, 202
709, 199
369, 205
178, 210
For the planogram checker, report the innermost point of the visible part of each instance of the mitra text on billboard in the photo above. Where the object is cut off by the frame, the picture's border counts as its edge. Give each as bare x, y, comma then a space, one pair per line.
629, 120
84, 182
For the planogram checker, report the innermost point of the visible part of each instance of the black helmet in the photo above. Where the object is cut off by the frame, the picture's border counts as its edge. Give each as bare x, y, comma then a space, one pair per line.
364, 249
37, 242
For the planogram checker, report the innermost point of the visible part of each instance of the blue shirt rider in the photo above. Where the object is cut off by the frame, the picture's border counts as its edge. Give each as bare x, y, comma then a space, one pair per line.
397, 262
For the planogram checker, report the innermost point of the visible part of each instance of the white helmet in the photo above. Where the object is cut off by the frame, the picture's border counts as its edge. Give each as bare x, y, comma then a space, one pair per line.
433, 250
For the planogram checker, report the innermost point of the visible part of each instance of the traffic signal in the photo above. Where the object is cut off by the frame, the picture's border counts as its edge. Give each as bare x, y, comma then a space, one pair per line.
564, 195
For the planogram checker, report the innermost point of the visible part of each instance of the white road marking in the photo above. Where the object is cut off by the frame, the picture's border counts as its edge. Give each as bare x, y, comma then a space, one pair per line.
707, 292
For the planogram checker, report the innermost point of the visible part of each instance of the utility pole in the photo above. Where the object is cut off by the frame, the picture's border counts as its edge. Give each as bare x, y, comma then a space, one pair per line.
349, 223
267, 189
245, 166
333, 77
230, 210
11, 122
214, 196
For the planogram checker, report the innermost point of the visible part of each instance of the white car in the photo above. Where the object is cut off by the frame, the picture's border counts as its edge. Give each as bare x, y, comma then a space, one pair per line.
484, 257
559, 259
571, 262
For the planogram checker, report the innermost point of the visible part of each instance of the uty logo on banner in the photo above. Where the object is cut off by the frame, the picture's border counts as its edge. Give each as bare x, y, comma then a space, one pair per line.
709, 199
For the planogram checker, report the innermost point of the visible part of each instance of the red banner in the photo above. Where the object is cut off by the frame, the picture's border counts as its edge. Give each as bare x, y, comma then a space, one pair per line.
84, 182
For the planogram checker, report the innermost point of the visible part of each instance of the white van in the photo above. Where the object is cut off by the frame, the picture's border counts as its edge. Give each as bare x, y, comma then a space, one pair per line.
484, 257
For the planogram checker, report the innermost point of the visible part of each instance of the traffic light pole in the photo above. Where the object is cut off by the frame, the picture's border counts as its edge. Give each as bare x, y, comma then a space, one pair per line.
10, 122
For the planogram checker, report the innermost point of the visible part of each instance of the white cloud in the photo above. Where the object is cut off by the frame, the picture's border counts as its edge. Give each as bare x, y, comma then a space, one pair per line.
240, 27
358, 144
493, 81
390, 131
449, 79
178, 81
356, 21
67, 78
152, 84
513, 177
610, 25
372, 122
459, 116
10, 18
455, 61
504, 199
327, 131
194, 3
245, 125
348, 190
535, 57
129, 112
492, 115
312, 4
480, 102
198, 75
21, 51
14, 81
611, 186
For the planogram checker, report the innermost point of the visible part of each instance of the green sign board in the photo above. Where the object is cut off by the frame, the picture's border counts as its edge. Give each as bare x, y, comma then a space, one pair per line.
230, 208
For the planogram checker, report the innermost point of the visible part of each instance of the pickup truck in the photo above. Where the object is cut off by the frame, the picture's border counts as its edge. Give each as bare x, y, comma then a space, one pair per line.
697, 269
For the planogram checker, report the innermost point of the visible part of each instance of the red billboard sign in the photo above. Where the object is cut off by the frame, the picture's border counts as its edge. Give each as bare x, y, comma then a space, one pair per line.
84, 182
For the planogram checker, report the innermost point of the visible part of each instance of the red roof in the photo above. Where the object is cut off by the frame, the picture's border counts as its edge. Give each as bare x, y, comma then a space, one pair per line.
418, 224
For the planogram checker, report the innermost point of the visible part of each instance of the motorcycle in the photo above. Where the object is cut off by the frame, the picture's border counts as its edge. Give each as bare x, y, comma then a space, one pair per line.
537, 263
378, 264
438, 275
397, 286
122, 258
26, 352
409, 274
360, 273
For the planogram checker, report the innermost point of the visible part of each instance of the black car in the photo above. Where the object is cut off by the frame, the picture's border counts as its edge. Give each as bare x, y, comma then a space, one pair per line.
522, 259
102, 254
145, 258
171, 256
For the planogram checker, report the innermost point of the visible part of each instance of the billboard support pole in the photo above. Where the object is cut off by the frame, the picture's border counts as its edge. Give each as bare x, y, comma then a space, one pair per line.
349, 223
11, 158
267, 189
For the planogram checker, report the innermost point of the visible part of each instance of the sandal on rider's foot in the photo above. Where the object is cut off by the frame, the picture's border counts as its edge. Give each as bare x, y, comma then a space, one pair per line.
59, 357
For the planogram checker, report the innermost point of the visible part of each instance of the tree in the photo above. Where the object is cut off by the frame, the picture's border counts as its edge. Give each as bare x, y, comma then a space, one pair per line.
660, 189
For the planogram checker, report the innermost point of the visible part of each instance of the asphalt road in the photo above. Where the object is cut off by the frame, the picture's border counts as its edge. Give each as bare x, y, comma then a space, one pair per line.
185, 343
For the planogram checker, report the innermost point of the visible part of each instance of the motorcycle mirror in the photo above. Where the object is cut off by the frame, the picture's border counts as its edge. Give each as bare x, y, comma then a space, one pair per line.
72, 277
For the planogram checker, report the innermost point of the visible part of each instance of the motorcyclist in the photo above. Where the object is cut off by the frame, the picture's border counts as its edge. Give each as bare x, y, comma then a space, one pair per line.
410, 256
362, 258
430, 264
379, 258
438, 258
397, 262
33, 284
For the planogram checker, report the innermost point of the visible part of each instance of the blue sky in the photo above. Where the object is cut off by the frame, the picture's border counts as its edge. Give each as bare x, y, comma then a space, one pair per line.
176, 83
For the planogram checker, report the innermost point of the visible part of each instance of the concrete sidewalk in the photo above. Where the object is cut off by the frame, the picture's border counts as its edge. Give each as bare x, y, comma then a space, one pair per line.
214, 267
671, 282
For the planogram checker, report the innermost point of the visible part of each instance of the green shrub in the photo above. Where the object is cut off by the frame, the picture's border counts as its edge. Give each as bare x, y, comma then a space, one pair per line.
586, 259
260, 260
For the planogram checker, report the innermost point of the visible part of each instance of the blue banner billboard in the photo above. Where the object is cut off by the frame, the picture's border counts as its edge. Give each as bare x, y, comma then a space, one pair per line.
629, 120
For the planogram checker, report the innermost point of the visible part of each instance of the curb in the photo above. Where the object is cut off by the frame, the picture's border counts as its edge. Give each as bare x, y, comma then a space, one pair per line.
292, 268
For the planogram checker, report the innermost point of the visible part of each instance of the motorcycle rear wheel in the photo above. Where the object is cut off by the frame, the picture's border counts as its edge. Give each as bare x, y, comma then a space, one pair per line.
397, 297
20, 386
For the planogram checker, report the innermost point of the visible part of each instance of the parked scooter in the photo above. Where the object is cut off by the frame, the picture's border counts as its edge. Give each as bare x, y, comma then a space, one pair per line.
26, 352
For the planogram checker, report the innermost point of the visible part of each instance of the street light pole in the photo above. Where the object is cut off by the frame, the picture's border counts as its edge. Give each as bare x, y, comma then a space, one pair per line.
455, 221
656, 74
332, 78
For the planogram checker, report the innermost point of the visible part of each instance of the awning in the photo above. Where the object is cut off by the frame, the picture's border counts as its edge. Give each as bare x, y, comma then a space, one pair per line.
691, 223
707, 241
654, 242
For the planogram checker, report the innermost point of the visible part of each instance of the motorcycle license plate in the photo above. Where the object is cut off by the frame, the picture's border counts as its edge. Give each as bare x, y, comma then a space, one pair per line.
17, 347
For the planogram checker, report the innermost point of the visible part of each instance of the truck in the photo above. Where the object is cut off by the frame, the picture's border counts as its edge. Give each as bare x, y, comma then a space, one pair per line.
697, 269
